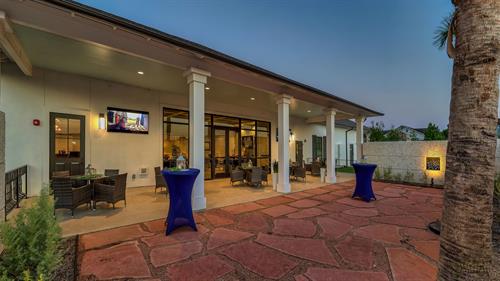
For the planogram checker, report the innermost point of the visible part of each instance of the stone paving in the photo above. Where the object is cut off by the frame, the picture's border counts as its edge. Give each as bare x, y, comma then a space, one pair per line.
318, 234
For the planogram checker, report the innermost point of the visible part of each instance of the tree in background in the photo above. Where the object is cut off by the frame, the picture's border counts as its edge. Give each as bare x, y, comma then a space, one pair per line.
395, 134
433, 133
471, 35
377, 132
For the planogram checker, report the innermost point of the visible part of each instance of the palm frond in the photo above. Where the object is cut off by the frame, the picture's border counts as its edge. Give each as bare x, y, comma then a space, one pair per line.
441, 33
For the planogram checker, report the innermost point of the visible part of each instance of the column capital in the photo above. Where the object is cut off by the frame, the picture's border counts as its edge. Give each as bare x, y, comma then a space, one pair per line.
360, 118
330, 111
283, 99
194, 74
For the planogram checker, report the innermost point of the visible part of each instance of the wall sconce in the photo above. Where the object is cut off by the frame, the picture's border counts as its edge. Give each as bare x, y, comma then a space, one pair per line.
102, 121
433, 163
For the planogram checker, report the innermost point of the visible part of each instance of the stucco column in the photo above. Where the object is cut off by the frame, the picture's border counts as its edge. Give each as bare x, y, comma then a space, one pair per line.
359, 137
330, 146
196, 79
283, 102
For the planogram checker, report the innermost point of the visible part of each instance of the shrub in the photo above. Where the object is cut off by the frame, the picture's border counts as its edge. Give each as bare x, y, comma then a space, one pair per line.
388, 173
31, 242
397, 177
408, 176
377, 174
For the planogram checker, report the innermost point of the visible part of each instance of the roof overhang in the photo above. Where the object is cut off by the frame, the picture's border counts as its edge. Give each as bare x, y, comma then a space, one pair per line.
80, 22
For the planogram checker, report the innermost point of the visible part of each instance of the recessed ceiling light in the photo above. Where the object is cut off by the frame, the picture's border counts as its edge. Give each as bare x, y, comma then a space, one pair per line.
140, 72
252, 98
207, 88
309, 111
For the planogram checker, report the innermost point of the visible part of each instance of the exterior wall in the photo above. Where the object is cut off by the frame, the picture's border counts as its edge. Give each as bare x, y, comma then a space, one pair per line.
304, 131
407, 156
25, 98
2, 166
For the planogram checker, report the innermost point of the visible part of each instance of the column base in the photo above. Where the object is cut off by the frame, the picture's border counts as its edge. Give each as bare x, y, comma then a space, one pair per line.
284, 188
199, 203
329, 179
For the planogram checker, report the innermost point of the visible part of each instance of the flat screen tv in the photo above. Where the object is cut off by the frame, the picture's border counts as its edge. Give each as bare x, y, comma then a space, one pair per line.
127, 121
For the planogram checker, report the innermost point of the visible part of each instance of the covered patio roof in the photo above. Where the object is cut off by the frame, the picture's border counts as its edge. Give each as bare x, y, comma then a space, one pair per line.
71, 37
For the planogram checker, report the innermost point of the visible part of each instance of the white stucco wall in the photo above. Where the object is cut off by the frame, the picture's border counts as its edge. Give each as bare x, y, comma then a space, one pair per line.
304, 131
25, 98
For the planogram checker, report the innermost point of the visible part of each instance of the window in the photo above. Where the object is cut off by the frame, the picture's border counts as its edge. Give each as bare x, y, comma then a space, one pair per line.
319, 148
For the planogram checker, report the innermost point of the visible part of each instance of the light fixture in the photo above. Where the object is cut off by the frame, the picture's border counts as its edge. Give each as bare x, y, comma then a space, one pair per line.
433, 163
140, 72
252, 98
308, 110
102, 121
207, 88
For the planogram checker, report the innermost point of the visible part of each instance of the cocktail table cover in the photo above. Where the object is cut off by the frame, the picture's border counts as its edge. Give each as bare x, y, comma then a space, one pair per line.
364, 174
180, 187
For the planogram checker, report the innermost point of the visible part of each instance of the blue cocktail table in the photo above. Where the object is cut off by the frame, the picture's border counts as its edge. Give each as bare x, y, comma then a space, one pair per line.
364, 174
180, 187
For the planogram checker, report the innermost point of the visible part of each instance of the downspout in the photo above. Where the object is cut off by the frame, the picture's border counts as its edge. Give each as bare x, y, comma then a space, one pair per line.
346, 158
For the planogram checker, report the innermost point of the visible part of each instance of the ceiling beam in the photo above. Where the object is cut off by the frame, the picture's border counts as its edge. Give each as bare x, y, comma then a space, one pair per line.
12, 46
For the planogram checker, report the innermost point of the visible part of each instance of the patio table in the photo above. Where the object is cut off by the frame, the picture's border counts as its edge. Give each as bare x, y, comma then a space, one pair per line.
180, 187
364, 174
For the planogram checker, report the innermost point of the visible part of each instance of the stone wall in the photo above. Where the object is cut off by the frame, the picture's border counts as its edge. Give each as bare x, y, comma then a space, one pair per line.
404, 157
2, 166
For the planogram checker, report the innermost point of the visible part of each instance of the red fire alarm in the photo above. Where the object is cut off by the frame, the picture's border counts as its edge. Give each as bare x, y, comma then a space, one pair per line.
36, 122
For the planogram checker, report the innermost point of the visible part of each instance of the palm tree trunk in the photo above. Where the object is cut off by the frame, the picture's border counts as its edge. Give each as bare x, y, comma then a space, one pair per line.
466, 233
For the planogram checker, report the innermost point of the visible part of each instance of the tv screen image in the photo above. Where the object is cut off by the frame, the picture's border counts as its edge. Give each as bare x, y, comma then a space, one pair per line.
127, 121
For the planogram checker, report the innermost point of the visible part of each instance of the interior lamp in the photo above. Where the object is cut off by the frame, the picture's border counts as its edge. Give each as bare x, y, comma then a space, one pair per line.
102, 121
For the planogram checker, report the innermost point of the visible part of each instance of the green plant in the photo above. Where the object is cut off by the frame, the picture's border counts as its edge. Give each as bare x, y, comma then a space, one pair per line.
397, 177
31, 242
408, 176
275, 167
377, 132
432, 132
377, 174
174, 169
388, 173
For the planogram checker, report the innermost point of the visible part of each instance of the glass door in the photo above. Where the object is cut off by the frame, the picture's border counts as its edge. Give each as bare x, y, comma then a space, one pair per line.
226, 154
67, 144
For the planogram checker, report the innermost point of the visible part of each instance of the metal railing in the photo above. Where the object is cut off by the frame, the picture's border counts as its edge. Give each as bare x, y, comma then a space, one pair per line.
14, 188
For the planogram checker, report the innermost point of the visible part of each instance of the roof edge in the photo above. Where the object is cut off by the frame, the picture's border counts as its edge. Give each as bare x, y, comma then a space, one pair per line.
193, 46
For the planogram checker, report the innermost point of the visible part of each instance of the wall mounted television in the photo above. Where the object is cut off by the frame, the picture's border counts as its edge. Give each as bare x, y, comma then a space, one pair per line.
127, 121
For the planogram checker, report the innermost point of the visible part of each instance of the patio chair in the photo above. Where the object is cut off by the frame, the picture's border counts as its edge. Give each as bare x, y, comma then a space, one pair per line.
111, 193
160, 181
237, 175
300, 172
265, 170
68, 197
316, 168
110, 174
255, 177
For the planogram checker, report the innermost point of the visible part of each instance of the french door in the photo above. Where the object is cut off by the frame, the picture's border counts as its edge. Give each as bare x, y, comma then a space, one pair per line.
226, 151
67, 143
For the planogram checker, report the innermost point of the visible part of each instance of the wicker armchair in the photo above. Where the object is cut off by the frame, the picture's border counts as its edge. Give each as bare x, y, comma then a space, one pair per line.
300, 172
160, 181
255, 177
68, 197
110, 174
111, 193
237, 175
316, 168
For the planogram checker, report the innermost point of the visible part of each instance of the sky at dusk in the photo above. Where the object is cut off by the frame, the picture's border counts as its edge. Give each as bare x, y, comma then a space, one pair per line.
376, 53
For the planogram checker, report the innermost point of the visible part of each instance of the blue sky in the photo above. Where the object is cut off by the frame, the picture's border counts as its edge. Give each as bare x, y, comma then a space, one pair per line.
378, 53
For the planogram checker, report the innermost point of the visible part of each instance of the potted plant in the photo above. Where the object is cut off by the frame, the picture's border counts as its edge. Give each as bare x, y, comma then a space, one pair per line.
275, 175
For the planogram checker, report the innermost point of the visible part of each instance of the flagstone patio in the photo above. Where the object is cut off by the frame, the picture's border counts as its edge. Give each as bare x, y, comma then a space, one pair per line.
317, 234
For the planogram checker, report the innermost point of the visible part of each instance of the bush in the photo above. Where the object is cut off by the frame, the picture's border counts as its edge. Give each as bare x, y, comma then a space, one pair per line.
377, 174
408, 176
388, 173
31, 242
397, 178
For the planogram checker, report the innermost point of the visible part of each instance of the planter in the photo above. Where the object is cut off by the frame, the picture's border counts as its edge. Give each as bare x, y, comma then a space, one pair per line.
275, 181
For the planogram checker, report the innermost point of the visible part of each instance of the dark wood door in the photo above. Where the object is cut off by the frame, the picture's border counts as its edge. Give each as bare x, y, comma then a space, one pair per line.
67, 143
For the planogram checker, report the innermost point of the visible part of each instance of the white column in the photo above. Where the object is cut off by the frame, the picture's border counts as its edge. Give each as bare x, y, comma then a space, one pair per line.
330, 146
359, 137
283, 102
196, 79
